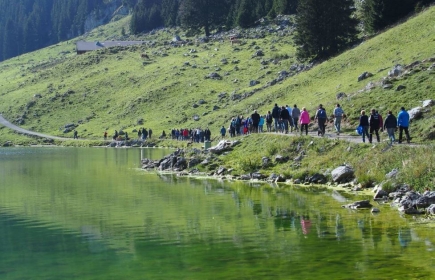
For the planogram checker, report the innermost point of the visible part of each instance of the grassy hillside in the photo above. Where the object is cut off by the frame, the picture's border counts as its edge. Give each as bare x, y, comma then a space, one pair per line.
114, 88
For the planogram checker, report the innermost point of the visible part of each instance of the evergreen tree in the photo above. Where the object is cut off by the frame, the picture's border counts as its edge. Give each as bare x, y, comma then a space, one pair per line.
207, 14
324, 28
170, 12
246, 15
377, 14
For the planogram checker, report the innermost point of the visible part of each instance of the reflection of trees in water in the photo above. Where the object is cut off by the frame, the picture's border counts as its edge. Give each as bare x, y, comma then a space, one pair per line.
404, 237
339, 227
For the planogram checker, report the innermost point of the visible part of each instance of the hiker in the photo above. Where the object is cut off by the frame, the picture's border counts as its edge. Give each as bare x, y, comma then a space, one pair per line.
364, 123
305, 120
105, 135
139, 134
276, 116
150, 132
255, 117
207, 134
261, 124
163, 136
115, 136
296, 113
374, 125
144, 135
290, 120
223, 131
403, 124
126, 136
76, 134
239, 124
233, 127
390, 125
284, 117
321, 119
269, 120
338, 115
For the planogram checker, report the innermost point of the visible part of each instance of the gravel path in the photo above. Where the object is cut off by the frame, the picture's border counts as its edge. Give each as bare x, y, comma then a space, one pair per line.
6, 123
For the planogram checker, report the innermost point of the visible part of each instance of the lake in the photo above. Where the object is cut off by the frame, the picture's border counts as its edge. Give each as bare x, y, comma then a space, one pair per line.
91, 213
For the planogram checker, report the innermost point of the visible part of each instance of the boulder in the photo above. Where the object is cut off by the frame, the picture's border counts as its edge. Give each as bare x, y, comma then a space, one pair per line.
341, 95
193, 162
222, 146
281, 159
428, 103
431, 209
265, 162
280, 179
343, 174
362, 204
364, 76
257, 175
380, 194
415, 113
317, 179
400, 87
221, 171
396, 71
245, 177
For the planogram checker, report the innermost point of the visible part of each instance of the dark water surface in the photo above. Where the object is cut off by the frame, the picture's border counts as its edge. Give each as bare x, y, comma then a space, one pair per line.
68, 213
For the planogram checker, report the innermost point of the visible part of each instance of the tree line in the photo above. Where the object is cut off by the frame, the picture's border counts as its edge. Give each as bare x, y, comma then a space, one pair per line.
324, 27
28, 25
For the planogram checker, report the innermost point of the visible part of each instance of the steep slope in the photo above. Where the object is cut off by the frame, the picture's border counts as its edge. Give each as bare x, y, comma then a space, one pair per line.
114, 88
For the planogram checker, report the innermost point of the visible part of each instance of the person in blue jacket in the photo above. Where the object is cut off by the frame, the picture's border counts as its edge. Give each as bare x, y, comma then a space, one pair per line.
403, 124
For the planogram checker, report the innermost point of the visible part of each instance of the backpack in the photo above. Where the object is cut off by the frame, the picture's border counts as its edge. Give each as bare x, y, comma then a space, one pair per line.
321, 114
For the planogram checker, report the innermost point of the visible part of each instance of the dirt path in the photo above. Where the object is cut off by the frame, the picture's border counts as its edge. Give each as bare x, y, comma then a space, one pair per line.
6, 123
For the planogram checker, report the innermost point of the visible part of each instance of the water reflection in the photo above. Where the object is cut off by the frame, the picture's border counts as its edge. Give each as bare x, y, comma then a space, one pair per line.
105, 212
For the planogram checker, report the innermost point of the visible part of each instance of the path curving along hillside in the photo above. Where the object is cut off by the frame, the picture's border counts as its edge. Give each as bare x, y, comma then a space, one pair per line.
7, 124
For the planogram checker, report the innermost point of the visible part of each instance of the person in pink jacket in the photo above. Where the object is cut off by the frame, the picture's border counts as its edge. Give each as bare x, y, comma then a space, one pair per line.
304, 120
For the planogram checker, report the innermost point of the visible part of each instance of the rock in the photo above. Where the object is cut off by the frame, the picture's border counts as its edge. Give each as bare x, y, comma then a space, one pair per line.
428, 103
297, 181
281, 159
245, 177
431, 209
193, 162
201, 101
375, 210
214, 76
362, 204
8, 144
195, 118
400, 87
380, 194
426, 200
222, 146
215, 108
387, 86
298, 158
341, 95
364, 76
253, 83
221, 170
257, 175
415, 113
343, 174
392, 174
317, 179
280, 179
272, 177
265, 162
396, 71
195, 105
258, 53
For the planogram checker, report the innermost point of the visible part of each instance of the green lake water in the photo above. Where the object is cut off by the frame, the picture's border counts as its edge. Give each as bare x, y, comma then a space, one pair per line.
71, 213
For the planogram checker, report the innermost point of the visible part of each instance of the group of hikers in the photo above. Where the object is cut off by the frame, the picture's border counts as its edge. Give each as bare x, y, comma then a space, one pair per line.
195, 135
283, 119
142, 134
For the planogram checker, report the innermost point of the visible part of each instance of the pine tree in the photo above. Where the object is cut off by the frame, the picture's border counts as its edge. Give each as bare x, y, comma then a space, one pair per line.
324, 28
377, 14
246, 16
206, 14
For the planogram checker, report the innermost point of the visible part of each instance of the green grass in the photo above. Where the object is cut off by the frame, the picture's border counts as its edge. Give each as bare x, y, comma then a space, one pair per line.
112, 89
